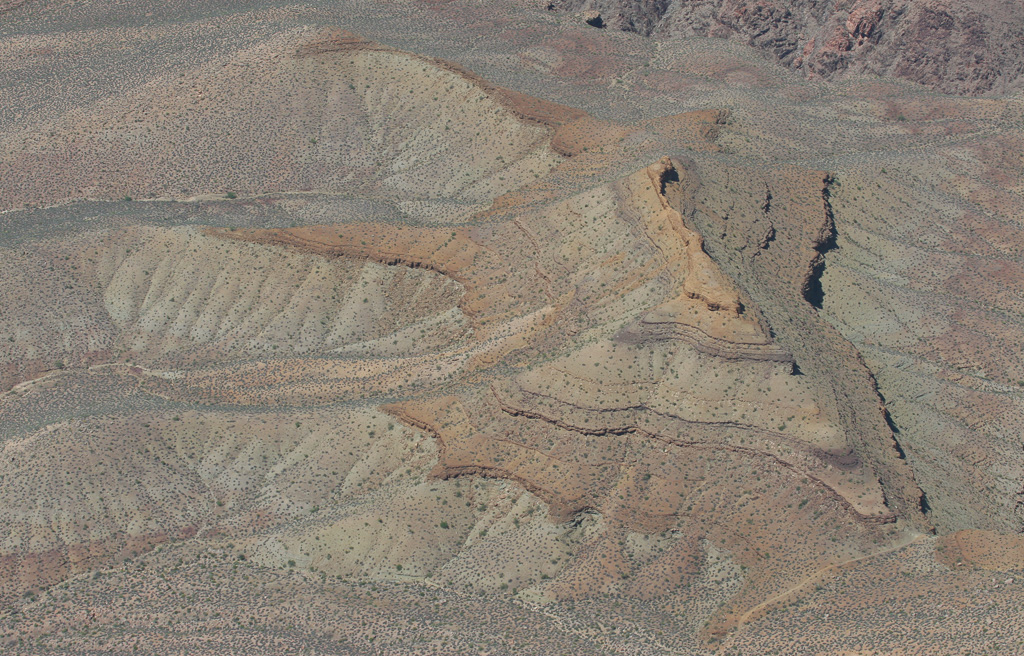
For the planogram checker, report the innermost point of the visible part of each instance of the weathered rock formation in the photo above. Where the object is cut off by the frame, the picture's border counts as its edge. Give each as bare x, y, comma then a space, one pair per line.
963, 48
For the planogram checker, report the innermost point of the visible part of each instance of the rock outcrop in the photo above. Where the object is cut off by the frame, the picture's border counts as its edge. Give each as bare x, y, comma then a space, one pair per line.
956, 48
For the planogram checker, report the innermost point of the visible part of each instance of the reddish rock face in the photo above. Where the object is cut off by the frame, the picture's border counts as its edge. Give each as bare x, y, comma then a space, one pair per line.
954, 48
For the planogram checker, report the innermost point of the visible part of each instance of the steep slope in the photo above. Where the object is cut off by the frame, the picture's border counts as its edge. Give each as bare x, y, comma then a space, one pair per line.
624, 402
951, 47
932, 300
306, 109
688, 390
160, 297
585, 349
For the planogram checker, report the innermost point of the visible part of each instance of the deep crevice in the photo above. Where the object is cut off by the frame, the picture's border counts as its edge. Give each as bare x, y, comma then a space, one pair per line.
669, 176
926, 507
825, 242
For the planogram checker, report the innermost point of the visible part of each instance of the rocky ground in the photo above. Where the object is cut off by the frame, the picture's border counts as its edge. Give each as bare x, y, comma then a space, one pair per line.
957, 48
436, 327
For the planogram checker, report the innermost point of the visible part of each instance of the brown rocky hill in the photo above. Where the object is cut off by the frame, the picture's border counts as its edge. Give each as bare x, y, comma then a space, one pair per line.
954, 47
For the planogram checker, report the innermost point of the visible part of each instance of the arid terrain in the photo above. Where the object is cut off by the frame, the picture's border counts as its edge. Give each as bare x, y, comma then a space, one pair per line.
453, 327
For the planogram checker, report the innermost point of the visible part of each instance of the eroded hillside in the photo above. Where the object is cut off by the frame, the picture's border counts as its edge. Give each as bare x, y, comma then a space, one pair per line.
954, 47
375, 331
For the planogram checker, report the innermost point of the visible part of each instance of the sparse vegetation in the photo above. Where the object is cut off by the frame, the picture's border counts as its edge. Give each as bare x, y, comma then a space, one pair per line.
464, 345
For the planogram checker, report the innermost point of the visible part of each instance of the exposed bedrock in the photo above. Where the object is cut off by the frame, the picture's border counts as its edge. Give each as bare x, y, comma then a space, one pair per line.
962, 48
